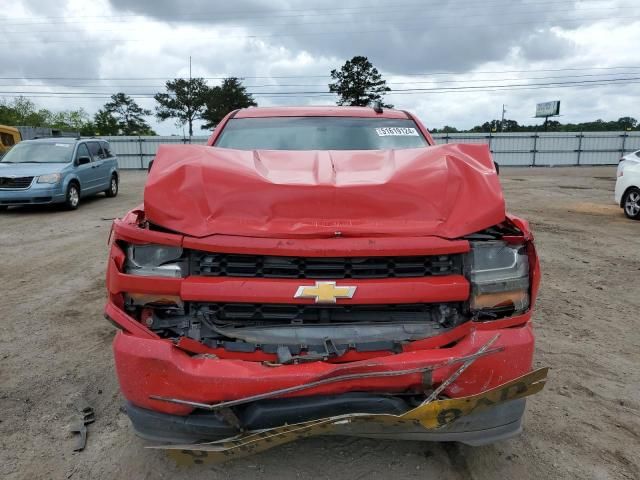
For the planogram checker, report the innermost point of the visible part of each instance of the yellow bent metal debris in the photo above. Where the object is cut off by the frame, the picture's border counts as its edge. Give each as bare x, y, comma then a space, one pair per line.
431, 416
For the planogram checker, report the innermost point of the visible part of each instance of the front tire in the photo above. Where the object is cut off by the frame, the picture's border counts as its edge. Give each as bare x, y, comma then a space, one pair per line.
631, 203
72, 200
112, 191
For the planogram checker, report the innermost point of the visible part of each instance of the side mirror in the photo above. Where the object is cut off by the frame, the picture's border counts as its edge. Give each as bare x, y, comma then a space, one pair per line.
83, 160
495, 164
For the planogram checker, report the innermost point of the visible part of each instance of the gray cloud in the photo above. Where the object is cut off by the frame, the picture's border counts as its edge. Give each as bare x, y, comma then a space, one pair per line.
404, 39
545, 45
256, 38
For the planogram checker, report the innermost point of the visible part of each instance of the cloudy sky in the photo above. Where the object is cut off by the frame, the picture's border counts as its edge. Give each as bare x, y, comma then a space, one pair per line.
451, 62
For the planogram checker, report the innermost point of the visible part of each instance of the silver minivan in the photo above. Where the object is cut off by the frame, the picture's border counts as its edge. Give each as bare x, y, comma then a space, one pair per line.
57, 170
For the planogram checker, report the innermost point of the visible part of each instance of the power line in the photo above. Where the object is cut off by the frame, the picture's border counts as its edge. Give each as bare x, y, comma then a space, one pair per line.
437, 73
596, 82
452, 72
325, 95
289, 85
626, 67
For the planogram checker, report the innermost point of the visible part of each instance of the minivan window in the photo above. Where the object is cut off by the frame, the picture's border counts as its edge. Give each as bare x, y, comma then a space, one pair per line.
107, 150
82, 151
320, 133
45, 152
95, 150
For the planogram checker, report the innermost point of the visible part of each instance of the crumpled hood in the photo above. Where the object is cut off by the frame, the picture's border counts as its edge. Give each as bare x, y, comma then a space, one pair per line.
446, 190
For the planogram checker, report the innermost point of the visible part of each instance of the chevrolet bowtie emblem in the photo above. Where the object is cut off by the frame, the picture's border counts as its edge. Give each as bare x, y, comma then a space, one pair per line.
325, 292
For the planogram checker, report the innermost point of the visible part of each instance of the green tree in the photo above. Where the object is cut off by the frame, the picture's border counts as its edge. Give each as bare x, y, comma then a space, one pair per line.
225, 98
497, 126
128, 114
445, 129
22, 111
69, 120
627, 123
358, 83
89, 129
185, 101
105, 123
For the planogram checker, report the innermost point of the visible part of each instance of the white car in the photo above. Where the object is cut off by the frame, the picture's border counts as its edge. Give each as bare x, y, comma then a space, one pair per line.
628, 185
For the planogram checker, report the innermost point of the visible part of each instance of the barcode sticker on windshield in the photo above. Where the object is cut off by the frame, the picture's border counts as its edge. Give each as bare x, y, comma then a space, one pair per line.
397, 132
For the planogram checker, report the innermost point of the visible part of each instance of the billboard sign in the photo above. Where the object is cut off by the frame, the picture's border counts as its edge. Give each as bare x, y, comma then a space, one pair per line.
548, 109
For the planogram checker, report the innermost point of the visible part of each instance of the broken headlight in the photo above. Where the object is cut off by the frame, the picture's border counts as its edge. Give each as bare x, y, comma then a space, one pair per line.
499, 274
155, 261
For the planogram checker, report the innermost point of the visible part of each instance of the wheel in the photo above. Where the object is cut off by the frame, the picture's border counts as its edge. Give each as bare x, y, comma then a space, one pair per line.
631, 203
72, 199
112, 191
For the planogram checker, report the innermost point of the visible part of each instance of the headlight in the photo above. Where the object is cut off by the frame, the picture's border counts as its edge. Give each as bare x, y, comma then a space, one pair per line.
154, 261
499, 274
49, 178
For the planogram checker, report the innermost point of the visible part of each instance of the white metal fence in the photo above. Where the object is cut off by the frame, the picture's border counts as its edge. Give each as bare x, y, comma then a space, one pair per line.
514, 149
137, 152
552, 148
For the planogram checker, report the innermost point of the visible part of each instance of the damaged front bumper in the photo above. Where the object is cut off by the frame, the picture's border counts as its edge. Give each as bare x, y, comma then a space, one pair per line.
492, 415
171, 373
354, 407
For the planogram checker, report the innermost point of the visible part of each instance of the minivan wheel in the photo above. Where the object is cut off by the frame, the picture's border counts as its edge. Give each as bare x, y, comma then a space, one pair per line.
631, 203
112, 191
72, 200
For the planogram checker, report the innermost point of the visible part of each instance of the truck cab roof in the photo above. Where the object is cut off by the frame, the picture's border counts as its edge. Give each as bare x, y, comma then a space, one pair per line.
319, 111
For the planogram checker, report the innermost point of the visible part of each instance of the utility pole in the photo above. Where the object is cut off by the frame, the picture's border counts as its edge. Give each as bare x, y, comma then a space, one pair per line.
502, 120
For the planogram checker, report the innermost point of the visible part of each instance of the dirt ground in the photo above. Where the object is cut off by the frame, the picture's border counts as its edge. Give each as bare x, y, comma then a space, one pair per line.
55, 346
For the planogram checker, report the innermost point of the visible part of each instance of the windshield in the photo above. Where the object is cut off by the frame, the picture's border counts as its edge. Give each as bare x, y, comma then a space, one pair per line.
39, 153
320, 133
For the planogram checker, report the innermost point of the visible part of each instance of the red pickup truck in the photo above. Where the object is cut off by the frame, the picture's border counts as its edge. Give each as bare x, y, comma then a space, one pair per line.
323, 265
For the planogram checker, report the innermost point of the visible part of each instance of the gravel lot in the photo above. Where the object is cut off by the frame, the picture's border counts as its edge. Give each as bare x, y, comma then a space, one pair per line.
55, 346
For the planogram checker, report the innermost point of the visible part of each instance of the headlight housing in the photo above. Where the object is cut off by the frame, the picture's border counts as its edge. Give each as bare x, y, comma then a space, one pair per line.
155, 261
499, 275
49, 178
